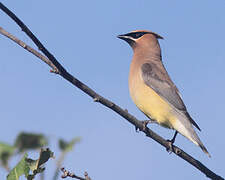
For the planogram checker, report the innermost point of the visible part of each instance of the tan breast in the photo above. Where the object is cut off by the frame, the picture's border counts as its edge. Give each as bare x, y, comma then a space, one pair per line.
147, 100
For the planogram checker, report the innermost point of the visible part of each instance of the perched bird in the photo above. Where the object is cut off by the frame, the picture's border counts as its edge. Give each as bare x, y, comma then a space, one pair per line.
153, 91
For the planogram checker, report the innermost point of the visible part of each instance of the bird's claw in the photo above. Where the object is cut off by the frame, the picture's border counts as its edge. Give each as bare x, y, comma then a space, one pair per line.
170, 148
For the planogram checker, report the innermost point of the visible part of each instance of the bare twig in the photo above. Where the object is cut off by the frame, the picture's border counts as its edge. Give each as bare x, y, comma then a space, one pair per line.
86, 176
58, 68
28, 48
72, 175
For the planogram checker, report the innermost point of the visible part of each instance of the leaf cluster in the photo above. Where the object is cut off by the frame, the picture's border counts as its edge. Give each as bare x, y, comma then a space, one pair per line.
28, 167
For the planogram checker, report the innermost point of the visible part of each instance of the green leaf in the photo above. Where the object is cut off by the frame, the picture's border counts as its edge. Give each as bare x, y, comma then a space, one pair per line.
20, 169
68, 146
36, 165
30, 141
32, 164
6, 151
27, 164
44, 156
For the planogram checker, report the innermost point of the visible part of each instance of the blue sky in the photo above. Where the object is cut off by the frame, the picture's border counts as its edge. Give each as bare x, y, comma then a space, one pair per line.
82, 36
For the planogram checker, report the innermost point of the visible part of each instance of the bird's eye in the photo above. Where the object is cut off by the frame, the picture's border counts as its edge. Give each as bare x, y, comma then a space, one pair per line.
137, 35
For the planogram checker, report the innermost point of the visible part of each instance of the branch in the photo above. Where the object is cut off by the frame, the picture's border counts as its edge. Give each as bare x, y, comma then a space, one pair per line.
28, 48
59, 69
72, 175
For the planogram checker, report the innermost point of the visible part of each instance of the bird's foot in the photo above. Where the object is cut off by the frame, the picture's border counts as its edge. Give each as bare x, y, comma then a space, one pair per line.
170, 148
170, 143
144, 125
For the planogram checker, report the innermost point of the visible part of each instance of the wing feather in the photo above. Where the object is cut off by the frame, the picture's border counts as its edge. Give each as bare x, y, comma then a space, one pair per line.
160, 82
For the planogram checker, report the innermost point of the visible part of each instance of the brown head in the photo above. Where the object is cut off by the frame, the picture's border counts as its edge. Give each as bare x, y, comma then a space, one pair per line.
142, 40
144, 43
139, 37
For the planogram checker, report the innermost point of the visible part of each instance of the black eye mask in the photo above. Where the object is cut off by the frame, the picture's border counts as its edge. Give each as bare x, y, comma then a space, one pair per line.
136, 35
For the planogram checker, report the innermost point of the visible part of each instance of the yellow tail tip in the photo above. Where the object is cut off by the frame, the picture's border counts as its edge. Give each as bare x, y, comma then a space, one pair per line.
207, 154
205, 150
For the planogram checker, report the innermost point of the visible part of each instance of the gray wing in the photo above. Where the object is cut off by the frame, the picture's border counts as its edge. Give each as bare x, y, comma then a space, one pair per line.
159, 81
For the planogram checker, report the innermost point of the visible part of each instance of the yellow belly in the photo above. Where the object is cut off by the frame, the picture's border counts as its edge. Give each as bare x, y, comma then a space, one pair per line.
152, 105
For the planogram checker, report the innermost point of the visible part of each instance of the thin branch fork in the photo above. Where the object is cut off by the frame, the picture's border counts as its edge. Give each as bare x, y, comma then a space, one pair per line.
59, 69
67, 173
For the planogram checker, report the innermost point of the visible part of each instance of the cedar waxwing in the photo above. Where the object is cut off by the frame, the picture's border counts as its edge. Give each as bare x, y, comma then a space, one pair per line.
153, 91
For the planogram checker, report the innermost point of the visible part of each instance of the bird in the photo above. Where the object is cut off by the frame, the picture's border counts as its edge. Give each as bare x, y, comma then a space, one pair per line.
152, 89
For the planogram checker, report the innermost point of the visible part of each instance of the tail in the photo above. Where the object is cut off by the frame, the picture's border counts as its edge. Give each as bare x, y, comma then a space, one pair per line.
204, 149
195, 139
183, 126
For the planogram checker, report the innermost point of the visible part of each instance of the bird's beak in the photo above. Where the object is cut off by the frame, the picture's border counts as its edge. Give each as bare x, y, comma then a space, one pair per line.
127, 38
123, 37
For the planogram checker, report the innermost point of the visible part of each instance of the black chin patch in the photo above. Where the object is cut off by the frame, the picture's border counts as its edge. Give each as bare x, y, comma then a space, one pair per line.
130, 42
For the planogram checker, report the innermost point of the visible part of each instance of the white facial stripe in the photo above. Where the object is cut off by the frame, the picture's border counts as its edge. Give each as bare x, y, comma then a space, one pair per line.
129, 37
